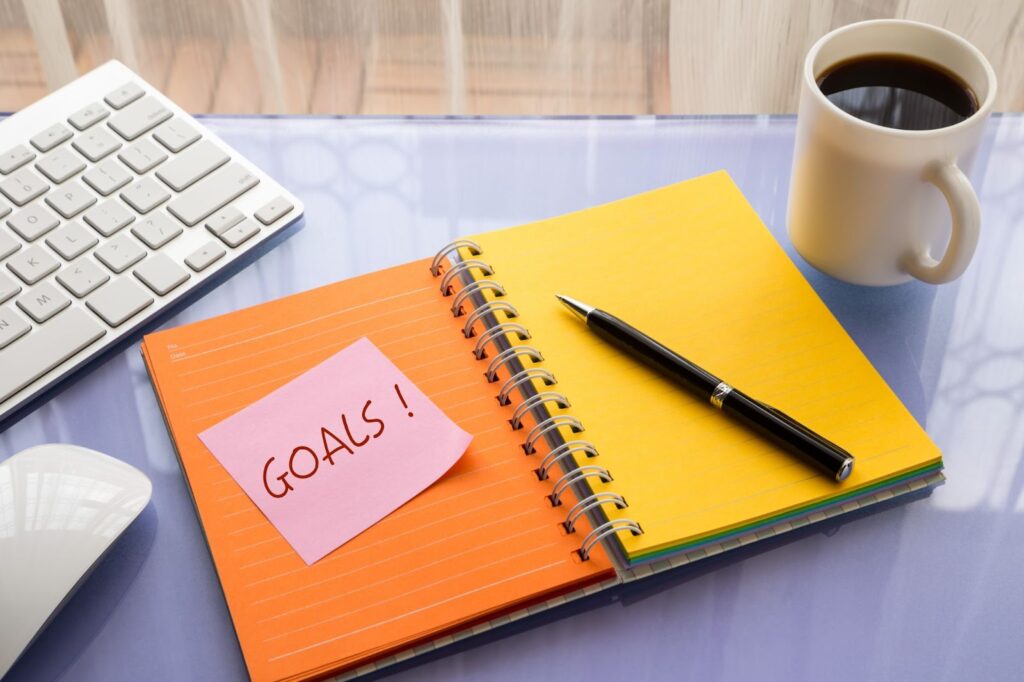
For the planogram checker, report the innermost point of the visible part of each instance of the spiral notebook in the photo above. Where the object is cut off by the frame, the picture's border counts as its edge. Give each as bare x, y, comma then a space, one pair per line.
586, 470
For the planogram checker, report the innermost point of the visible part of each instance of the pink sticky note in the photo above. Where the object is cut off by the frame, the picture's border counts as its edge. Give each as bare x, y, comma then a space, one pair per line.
337, 449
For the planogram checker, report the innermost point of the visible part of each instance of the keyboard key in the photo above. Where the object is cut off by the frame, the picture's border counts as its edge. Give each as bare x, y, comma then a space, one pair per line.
161, 274
60, 165
120, 253
176, 135
212, 193
32, 264
274, 210
72, 240
143, 156
8, 287
139, 117
197, 162
43, 302
51, 137
12, 327
33, 222
109, 217
82, 277
4, 209
145, 194
204, 257
119, 301
107, 177
156, 230
123, 96
70, 199
88, 115
23, 187
49, 346
8, 244
240, 233
15, 158
95, 144
228, 216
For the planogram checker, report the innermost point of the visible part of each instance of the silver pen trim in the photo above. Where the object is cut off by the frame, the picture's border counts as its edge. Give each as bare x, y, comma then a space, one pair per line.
579, 309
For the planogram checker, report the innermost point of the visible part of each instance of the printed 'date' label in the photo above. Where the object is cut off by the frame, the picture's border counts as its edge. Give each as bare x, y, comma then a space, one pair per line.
337, 449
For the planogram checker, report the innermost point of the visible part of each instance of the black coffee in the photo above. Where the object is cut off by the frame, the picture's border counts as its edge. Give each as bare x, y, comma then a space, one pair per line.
898, 92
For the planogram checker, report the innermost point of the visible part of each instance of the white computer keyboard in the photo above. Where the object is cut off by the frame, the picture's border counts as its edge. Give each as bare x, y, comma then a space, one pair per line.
114, 205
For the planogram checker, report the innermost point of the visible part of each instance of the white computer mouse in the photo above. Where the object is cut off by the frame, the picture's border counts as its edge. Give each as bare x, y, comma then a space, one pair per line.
61, 508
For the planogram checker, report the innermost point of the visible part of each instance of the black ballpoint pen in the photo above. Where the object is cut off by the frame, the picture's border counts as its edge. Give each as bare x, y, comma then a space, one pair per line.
770, 422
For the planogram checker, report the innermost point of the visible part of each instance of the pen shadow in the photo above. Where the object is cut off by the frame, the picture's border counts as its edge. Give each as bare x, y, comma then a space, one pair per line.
85, 614
646, 588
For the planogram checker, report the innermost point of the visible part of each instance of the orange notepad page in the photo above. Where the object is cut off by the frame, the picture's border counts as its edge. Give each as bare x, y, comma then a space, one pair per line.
480, 542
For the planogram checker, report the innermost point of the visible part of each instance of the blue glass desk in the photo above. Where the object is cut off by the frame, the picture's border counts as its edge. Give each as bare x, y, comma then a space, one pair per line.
929, 590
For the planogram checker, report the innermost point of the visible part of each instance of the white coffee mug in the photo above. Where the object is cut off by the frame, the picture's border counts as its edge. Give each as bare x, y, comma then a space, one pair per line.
867, 203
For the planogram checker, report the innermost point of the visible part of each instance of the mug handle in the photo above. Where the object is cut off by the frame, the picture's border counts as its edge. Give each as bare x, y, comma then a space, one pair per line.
963, 204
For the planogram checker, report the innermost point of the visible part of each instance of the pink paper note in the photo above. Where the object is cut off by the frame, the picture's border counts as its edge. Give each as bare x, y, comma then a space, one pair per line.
337, 449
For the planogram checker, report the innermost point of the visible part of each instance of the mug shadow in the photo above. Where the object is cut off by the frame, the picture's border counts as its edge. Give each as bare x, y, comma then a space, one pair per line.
899, 328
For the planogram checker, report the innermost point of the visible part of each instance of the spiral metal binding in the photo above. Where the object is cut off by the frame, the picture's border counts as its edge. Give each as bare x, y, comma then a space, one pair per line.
504, 356
591, 502
535, 401
474, 287
474, 248
603, 531
462, 266
550, 424
545, 427
562, 451
528, 374
480, 350
488, 308
575, 476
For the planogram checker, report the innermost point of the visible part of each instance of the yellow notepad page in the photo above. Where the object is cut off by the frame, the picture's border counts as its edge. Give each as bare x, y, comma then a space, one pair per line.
692, 265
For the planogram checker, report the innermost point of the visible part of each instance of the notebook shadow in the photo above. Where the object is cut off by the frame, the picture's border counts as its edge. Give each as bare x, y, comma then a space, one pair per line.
647, 588
84, 616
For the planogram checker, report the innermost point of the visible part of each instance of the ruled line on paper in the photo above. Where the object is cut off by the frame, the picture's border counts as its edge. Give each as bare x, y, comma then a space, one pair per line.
421, 609
341, 595
393, 537
723, 461
389, 558
245, 330
447, 579
299, 325
291, 358
760, 493
390, 517
278, 348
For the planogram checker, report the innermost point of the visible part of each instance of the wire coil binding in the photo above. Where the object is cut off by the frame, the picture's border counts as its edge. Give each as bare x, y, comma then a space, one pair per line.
474, 287
480, 350
534, 401
504, 356
575, 476
564, 450
435, 265
493, 330
591, 502
528, 374
488, 308
460, 267
548, 425
603, 531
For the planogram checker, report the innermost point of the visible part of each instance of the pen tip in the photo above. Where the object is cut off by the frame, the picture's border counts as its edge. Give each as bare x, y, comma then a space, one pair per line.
580, 309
